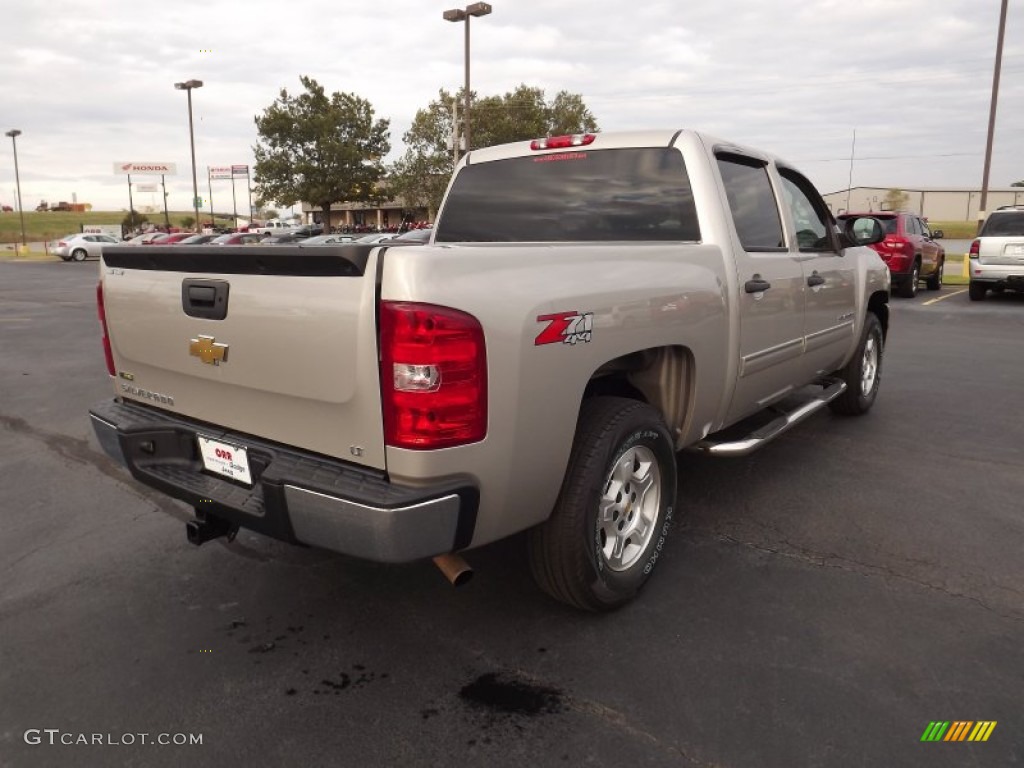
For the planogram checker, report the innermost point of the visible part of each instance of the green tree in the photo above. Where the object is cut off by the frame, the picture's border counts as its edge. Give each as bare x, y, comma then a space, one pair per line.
1018, 183
320, 149
187, 222
895, 200
133, 219
524, 114
420, 176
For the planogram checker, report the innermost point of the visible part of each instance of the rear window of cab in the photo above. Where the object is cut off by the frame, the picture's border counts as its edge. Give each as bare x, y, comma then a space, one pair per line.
636, 194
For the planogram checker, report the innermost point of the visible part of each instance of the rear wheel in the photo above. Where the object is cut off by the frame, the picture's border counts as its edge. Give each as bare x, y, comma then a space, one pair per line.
863, 373
934, 282
78, 254
908, 288
977, 291
613, 513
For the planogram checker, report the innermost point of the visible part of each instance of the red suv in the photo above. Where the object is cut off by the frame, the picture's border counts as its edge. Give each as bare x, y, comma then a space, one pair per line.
909, 250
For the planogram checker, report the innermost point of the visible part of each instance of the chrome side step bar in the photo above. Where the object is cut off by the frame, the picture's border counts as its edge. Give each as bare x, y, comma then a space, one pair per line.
832, 388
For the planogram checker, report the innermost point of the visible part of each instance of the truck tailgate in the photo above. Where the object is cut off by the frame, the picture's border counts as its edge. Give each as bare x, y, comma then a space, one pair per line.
292, 360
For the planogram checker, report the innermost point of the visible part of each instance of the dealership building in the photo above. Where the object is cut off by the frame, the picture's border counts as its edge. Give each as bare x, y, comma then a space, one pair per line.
961, 204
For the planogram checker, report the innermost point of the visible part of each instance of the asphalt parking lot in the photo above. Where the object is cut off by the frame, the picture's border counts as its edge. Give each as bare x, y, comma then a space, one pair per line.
821, 602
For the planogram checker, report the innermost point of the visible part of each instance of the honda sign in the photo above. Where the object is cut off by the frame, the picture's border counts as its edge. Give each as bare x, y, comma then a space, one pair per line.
147, 169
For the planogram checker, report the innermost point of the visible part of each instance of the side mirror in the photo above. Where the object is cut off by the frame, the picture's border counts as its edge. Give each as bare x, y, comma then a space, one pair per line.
861, 230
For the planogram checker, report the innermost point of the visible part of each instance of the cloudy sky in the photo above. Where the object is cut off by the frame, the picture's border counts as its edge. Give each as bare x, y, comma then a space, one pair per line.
92, 83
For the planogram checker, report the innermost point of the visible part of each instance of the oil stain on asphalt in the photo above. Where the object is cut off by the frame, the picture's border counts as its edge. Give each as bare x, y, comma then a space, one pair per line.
512, 697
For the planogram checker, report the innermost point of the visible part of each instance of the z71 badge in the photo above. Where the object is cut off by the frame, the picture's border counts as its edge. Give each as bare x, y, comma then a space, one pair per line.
566, 328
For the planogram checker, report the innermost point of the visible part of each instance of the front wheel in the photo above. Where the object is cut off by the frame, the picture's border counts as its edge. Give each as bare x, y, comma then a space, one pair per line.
863, 373
612, 516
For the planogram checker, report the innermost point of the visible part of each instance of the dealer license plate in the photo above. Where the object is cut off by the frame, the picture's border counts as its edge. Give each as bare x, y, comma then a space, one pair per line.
225, 459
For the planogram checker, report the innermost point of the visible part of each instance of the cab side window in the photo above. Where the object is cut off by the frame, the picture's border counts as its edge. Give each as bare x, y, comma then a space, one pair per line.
810, 215
752, 202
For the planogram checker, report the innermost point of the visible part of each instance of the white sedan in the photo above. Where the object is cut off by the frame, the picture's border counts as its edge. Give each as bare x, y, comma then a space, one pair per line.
77, 247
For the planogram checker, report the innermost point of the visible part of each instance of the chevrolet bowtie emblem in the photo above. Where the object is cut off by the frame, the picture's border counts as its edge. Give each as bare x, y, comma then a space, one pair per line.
207, 350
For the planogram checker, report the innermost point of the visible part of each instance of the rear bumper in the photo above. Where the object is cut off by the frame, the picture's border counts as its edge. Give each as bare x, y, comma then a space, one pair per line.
296, 496
1009, 275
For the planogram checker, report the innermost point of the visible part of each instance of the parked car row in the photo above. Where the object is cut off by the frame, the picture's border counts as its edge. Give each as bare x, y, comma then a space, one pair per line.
78, 247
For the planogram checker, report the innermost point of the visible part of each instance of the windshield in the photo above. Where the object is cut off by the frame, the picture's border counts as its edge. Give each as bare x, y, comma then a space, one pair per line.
612, 194
1004, 225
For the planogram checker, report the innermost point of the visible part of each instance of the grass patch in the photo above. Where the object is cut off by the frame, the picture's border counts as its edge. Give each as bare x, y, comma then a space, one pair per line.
948, 279
50, 225
955, 230
8, 253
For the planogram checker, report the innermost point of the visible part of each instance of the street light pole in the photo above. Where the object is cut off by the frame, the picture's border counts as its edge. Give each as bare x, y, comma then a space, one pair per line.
14, 133
188, 85
464, 15
992, 114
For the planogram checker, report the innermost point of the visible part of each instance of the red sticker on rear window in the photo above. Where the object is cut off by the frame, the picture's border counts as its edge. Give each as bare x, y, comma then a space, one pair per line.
559, 156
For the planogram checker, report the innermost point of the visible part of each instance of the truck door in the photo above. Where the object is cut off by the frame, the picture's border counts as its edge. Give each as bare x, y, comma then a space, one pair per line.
770, 279
829, 279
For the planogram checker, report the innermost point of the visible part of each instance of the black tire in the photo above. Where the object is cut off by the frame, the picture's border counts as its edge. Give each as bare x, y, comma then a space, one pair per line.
863, 374
908, 288
977, 291
569, 552
934, 282
79, 254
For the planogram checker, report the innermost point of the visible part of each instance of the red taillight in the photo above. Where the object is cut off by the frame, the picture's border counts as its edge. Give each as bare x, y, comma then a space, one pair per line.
101, 310
563, 142
433, 376
975, 247
62, 244
897, 243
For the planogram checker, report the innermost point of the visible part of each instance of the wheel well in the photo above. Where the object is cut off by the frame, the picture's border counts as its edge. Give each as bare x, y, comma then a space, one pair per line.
659, 376
612, 385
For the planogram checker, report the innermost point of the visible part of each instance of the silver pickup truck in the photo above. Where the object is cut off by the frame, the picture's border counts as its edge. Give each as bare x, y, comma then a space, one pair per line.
587, 306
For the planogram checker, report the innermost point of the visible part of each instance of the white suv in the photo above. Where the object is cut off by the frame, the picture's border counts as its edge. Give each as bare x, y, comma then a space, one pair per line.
997, 254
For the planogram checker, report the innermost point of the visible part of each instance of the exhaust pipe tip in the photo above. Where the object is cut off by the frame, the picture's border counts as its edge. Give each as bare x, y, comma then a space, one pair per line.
454, 568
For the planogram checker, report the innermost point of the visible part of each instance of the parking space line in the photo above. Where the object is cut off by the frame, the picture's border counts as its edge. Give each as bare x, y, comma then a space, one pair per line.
940, 298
